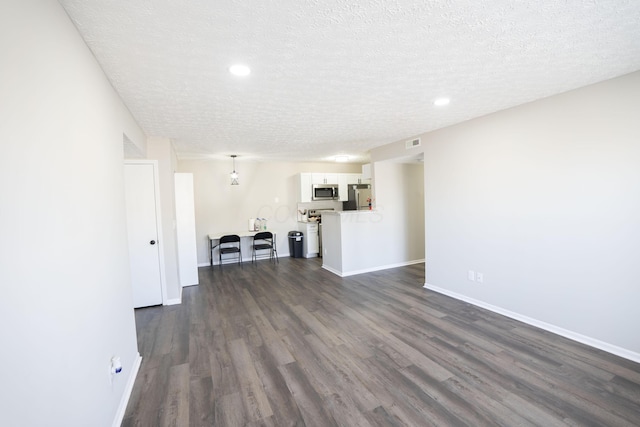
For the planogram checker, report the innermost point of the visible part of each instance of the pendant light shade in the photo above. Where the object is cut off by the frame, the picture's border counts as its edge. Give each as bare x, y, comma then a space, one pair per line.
234, 175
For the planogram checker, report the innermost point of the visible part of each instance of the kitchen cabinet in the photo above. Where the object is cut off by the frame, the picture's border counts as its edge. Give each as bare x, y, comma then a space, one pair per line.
353, 178
310, 243
305, 182
344, 179
308, 179
366, 171
324, 178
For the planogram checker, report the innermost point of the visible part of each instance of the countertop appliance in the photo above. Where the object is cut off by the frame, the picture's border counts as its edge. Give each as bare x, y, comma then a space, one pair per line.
316, 214
324, 192
359, 194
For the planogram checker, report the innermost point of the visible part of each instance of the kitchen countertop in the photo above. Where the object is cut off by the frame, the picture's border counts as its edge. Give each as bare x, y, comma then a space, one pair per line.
351, 242
349, 212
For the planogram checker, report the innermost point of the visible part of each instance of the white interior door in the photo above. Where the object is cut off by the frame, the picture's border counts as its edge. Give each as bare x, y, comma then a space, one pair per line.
143, 234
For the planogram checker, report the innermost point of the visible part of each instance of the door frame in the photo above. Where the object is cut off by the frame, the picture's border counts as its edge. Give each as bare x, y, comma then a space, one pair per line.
160, 239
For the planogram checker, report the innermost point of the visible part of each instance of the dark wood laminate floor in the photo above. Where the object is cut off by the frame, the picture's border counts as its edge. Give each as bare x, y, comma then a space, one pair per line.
292, 345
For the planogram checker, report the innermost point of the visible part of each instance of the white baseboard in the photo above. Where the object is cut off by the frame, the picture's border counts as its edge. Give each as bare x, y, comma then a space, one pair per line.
124, 401
592, 342
174, 301
372, 269
332, 270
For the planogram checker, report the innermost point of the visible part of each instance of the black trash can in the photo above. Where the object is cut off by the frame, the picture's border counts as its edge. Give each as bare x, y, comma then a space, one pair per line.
295, 244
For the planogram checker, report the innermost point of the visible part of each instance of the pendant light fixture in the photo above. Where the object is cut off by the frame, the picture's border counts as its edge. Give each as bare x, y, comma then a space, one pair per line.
234, 175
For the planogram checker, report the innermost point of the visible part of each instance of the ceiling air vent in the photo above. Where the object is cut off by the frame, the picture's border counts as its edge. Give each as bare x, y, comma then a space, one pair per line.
412, 143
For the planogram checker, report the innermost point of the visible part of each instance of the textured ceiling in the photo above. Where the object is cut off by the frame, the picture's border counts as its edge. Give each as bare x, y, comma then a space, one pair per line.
343, 76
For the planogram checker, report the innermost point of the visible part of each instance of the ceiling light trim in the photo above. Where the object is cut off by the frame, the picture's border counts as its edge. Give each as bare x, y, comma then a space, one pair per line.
240, 70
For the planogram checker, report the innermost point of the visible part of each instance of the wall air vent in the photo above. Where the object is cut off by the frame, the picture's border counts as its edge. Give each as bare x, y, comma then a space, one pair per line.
412, 143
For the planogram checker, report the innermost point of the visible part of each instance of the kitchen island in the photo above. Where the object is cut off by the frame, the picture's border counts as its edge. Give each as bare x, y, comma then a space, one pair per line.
356, 242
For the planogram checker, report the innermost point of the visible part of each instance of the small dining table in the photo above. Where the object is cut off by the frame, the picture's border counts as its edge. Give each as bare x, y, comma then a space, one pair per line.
215, 237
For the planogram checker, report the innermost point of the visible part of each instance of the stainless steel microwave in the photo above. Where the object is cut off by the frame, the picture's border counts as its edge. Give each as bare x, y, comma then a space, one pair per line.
324, 192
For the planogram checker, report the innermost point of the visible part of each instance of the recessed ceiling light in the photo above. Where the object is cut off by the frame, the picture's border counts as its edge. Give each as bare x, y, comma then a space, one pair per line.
441, 102
342, 159
239, 70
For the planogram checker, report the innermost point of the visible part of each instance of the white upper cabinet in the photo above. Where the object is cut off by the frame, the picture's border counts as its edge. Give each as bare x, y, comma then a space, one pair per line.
353, 178
341, 179
324, 178
344, 180
305, 181
366, 171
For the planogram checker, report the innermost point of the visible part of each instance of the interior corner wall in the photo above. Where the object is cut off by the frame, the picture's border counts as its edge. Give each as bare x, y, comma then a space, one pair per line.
162, 150
66, 305
133, 135
393, 151
399, 197
413, 177
543, 199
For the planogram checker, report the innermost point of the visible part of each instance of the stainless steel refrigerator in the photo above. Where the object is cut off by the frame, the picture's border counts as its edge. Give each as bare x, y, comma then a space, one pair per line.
359, 196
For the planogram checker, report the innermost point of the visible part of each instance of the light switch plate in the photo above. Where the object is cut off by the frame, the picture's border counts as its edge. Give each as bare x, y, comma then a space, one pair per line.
471, 275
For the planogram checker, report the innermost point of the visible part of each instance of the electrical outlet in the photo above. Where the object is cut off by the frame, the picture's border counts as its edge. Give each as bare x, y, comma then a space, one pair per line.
479, 277
471, 275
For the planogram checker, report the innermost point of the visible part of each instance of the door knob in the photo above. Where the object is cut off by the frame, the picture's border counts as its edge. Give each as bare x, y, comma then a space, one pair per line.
153, 242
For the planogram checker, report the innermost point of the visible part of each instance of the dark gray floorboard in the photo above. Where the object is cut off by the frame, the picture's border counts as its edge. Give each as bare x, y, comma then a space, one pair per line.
291, 344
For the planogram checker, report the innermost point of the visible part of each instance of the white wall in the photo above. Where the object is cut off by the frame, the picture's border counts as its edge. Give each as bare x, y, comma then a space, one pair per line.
544, 199
66, 304
266, 190
399, 196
